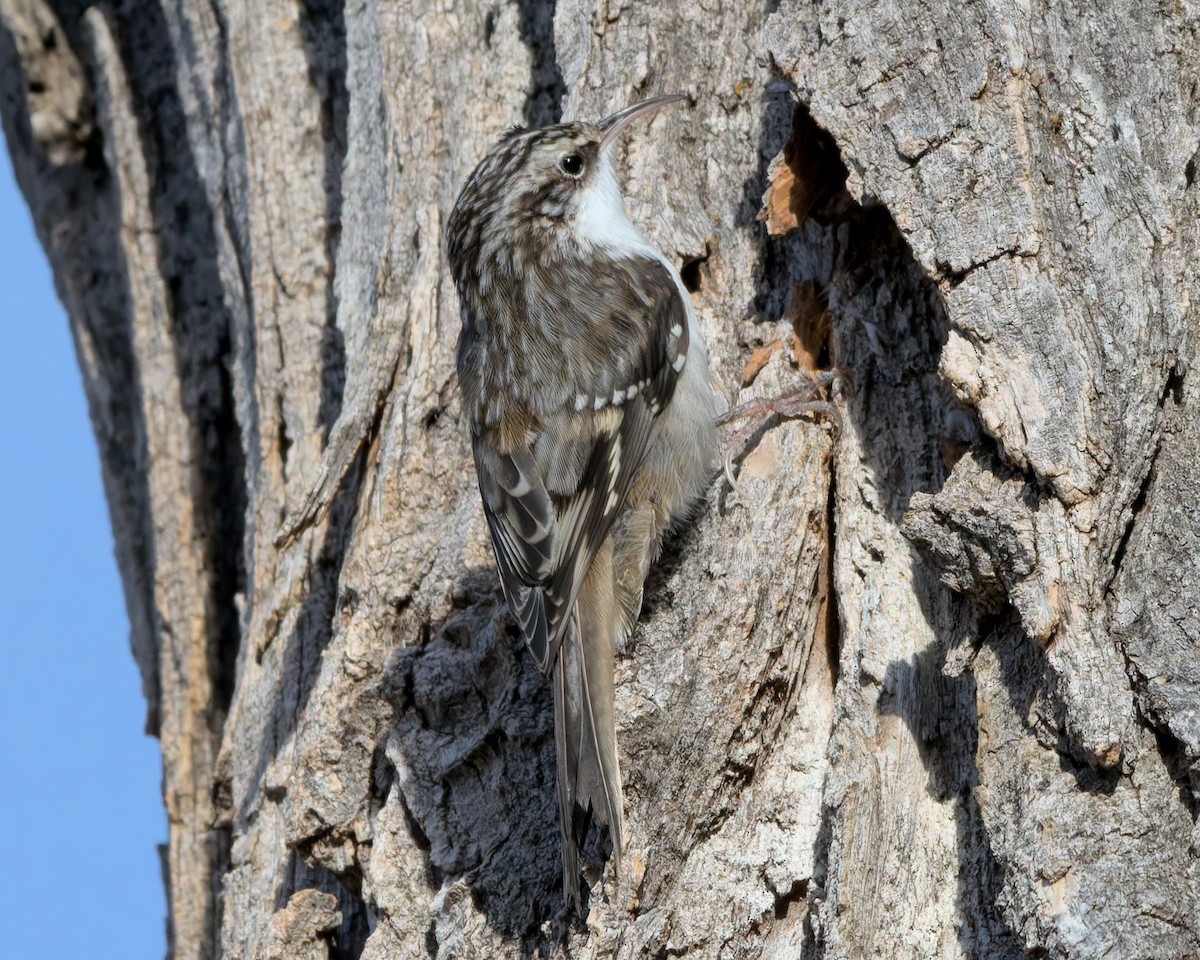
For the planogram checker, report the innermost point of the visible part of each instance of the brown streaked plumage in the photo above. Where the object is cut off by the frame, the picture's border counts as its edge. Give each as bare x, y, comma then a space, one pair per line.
586, 385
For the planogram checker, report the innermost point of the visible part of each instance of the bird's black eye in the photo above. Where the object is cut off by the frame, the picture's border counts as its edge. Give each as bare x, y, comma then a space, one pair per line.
571, 164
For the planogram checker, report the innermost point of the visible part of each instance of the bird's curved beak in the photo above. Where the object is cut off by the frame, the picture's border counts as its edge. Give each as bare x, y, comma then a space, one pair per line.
612, 125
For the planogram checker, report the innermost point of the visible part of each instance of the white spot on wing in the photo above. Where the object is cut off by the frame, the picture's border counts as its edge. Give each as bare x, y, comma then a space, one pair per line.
679, 361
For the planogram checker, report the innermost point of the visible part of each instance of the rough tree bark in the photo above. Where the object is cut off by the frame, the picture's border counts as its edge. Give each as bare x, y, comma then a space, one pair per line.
924, 684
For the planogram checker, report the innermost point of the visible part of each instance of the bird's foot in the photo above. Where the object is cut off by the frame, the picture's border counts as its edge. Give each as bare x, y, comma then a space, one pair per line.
762, 412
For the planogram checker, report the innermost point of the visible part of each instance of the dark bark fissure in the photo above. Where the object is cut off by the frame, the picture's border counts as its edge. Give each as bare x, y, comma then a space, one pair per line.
690, 271
1135, 510
772, 264
1179, 757
1182, 766
201, 336
1029, 682
230, 217
323, 30
473, 682
1174, 385
833, 619
347, 939
814, 939
797, 893
543, 100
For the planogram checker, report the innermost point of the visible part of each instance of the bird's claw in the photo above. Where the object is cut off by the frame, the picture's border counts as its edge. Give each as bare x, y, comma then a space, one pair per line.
801, 401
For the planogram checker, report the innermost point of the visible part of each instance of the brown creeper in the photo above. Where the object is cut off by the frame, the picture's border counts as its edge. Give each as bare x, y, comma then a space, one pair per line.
586, 385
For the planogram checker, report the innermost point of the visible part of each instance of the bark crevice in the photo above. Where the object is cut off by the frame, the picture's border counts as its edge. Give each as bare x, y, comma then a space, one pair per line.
323, 30
546, 90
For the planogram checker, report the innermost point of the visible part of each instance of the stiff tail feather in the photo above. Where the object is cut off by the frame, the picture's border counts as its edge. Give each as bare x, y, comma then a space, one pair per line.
589, 781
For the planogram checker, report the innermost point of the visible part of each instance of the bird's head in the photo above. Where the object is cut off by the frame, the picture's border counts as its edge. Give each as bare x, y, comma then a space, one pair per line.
555, 176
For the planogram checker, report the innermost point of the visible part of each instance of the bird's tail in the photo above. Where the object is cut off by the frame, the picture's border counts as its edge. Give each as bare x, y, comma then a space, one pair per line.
589, 782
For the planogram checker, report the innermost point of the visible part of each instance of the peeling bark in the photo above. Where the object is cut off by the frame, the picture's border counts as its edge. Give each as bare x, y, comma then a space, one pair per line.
923, 683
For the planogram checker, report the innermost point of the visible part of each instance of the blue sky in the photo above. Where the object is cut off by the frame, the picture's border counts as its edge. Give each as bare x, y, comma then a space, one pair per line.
80, 803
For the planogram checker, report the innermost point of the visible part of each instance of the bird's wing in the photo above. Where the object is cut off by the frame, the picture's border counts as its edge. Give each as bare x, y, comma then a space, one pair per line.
521, 519
550, 504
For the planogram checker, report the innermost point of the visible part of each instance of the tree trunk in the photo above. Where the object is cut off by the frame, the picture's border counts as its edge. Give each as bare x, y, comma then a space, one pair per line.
924, 683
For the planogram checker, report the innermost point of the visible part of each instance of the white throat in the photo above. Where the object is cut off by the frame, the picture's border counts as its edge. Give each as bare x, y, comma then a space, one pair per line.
600, 219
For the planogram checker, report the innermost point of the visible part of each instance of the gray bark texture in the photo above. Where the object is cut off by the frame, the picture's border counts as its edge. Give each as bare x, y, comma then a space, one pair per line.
924, 683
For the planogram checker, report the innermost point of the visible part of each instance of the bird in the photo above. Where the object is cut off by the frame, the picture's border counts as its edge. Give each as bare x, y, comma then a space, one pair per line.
585, 382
